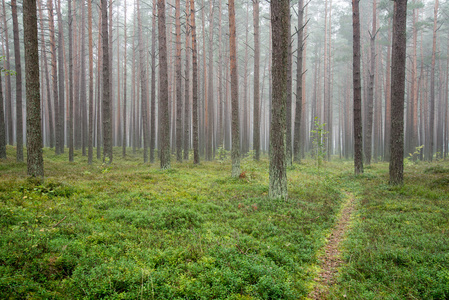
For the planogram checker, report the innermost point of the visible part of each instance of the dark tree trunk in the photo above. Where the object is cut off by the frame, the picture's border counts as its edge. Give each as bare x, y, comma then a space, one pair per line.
280, 20
19, 112
35, 163
430, 151
358, 141
82, 82
106, 107
235, 152
398, 58
196, 155
164, 129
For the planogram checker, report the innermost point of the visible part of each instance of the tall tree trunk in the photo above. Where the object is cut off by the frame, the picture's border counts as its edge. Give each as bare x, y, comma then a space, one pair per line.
280, 20
35, 163
143, 93
235, 152
398, 59
19, 112
358, 141
106, 107
164, 129
61, 109
210, 89
54, 75
99, 96
125, 88
196, 156
432, 85
70, 95
220, 101
91, 84
82, 99
387, 125
2, 124
187, 86
370, 97
153, 85
178, 84
299, 86
256, 112
8, 97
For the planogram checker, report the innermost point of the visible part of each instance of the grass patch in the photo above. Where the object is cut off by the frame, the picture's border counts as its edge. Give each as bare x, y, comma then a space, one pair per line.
129, 230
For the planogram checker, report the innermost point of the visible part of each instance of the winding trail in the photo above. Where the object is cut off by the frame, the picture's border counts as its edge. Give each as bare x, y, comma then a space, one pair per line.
330, 259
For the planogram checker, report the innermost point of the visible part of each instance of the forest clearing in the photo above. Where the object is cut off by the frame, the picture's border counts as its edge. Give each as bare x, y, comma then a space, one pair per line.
132, 231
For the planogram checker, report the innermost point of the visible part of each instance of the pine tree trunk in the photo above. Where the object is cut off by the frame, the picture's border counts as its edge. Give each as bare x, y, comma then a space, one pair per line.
299, 87
358, 142
164, 130
8, 97
280, 20
2, 124
178, 84
196, 156
187, 86
18, 65
210, 88
153, 86
125, 88
61, 109
91, 84
70, 95
235, 132
35, 163
398, 60
432, 85
106, 105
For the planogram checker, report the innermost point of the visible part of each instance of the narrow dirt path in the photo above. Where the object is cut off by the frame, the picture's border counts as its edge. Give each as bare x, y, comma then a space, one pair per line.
330, 259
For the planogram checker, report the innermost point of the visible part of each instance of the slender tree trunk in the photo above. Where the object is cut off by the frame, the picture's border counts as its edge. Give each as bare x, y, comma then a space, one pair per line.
220, 101
91, 84
432, 85
19, 112
8, 97
2, 124
153, 85
125, 88
196, 156
299, 81
210, 89
61, 109
82, 99
187, 86
35, 163
178, 84
370, 98
256, 112
144, 95
164, 130
99, 96
397, 92
54, 75
106, 107
358, 142
280, 20
70, 95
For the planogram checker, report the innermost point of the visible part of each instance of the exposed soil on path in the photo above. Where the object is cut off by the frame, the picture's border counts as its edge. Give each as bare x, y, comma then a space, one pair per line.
330, 259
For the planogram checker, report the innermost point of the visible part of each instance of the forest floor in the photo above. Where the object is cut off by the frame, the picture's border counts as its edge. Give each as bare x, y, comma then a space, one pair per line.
131, 231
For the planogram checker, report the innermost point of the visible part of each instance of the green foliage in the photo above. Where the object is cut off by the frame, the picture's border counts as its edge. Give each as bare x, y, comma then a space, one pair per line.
319, 138
414, 157
129, 230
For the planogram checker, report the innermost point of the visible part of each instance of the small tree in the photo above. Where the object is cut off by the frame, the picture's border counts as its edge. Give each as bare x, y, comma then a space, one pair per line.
319, 139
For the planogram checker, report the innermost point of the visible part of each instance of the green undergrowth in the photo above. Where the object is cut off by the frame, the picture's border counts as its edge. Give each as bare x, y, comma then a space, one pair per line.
131, 231
398, 244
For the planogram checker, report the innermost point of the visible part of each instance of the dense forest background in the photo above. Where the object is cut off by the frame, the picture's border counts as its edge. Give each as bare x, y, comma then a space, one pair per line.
325, 103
